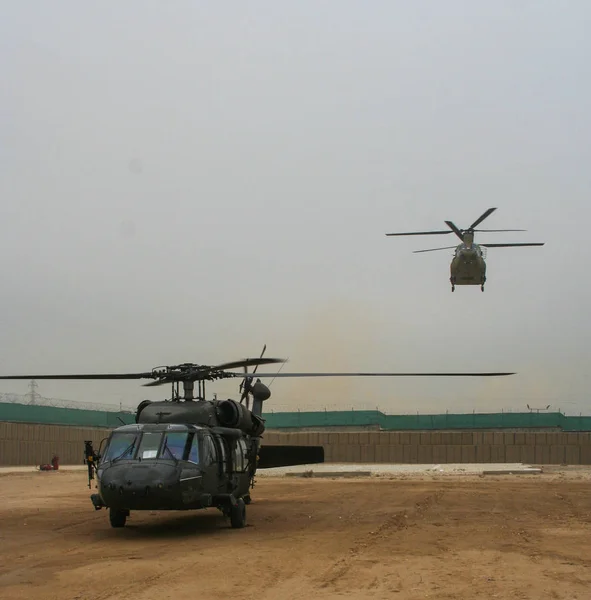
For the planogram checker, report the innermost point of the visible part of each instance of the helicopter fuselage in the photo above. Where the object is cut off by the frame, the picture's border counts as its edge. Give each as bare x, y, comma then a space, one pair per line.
468, 266
171, 466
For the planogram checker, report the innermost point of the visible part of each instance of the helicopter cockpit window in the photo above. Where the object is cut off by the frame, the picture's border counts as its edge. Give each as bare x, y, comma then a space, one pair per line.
174, 445
121, 445
149, 445
194, 449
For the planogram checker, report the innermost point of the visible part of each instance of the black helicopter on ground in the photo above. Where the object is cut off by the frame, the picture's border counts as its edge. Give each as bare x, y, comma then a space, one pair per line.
192, 453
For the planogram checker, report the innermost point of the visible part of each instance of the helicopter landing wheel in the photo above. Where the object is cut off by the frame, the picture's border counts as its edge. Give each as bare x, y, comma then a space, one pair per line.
453, 288
482, 288
238, 514
247, 499
118, 517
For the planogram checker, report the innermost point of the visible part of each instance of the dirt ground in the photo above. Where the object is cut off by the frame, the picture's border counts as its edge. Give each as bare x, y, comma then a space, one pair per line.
449, 537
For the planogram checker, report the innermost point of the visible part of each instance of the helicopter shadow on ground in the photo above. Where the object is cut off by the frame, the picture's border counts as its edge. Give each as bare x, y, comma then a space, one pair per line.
170, 526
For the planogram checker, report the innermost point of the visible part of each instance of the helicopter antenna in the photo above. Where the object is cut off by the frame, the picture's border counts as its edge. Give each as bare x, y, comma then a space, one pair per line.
278, 371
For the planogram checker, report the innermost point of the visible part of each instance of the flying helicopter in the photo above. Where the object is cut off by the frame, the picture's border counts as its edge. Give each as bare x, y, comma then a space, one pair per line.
468, 266
186, 453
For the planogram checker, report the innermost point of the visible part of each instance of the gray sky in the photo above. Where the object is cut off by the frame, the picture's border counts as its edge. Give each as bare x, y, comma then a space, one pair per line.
187, 181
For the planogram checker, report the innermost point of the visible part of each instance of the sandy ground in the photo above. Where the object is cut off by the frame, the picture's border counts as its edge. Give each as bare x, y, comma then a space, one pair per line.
404, 537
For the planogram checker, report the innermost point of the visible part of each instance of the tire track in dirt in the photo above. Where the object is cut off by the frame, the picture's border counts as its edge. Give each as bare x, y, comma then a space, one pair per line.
398, 521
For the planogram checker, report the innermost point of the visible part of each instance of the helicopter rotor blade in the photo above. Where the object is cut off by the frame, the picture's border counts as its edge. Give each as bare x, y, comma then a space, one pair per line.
433, 249
482, 217
261, 356
498, 230
148, 375
247, 362
483, 374
421, 233
510, 245
457, 231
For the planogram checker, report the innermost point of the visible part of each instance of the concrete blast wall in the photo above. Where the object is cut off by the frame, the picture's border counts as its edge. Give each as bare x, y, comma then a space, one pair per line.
30, 444
445, 447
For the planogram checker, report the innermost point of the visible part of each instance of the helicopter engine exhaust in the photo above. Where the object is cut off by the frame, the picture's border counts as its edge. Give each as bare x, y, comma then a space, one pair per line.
233, 414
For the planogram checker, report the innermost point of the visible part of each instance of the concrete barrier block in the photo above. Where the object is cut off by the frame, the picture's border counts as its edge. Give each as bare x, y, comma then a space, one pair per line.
364, 438
353, 454
557, 455
394, 438
467, 438
454, 453
313, 438
468, 453
367, 453
572, 454
375, 437
530, 439
396, 454
528, 454
513, 453
456, 438
425, 455
483, 453
440, 454
585, 456
425, 439
354, 438
499, 438
542, 455
478, 438
382, 453
541, 439
488, 438
446, 438
508, 438
333, 438
584, 439
497, 453
519, 438
339, 453
405, 438
410, 453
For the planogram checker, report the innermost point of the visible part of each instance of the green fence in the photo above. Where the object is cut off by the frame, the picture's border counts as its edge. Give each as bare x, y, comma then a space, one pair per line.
369, 418
51, 415
26, 413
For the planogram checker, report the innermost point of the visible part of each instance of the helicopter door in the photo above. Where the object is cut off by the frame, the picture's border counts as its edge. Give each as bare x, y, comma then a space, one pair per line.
241, 474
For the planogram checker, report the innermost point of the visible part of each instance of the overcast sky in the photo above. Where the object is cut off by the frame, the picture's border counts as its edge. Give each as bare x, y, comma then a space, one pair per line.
187, 181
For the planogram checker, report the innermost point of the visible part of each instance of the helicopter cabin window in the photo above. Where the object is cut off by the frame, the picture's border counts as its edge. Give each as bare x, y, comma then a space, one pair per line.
209, 451
149, 445
240, 460
174, 445
221, 444
121, 445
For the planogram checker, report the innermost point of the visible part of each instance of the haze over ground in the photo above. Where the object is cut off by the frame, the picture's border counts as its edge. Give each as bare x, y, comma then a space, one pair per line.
186, 182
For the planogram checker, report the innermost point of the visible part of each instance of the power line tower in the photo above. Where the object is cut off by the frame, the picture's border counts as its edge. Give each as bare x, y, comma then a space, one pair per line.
33, 395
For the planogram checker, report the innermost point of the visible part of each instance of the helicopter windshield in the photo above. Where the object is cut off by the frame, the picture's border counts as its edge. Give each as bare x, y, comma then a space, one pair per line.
176, 445
121, 445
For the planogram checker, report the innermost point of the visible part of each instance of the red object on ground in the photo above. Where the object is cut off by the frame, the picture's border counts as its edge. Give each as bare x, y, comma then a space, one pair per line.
54, 466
